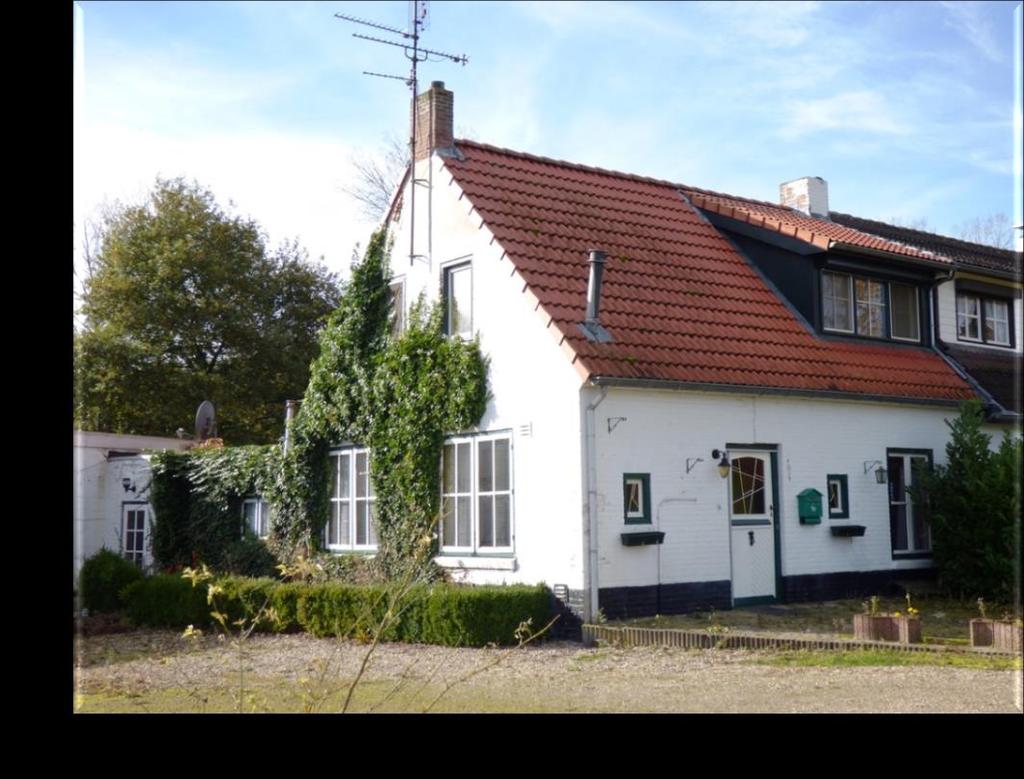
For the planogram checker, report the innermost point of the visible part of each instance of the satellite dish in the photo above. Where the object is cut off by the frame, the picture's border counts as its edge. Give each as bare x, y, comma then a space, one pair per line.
206, 421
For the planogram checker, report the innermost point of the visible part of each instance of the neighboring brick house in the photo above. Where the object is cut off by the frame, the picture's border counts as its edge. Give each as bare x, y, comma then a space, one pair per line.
680, 376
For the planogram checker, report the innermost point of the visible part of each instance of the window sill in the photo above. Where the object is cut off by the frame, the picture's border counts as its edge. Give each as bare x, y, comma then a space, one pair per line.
477, 563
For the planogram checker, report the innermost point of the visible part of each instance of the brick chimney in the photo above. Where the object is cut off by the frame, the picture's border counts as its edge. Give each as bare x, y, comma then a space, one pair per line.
809, 194
434, 115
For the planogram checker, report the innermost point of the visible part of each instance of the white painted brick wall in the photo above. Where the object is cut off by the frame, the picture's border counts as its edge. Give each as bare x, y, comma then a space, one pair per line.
531, 383
815, 438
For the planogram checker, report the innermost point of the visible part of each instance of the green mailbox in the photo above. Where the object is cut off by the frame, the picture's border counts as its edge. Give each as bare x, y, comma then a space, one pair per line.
809, 506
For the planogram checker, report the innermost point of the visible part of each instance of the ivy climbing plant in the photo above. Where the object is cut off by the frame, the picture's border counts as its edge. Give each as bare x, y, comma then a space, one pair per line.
397, 395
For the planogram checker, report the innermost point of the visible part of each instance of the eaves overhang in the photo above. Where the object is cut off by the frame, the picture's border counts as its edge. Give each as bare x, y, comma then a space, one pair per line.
741, 389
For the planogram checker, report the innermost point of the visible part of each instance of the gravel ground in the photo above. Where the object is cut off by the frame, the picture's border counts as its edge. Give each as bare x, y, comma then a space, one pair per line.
556, 676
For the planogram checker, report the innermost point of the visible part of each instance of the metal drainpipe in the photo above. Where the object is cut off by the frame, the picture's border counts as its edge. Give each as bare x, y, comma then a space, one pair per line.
590, 529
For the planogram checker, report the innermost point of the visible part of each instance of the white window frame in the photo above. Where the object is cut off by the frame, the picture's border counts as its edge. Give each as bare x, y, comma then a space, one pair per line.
637, 484
352, 500
128, 554
835, 487
474, 547
448, 272
260, 518
886, 303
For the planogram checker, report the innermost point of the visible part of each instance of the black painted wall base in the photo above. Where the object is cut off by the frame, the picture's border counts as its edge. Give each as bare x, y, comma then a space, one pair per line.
679, 598
631, 602
568, 605
850, 584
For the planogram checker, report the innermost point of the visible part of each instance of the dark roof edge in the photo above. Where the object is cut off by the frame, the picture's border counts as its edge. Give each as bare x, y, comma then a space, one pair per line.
945, 264
979, 270
741, 389
994, 410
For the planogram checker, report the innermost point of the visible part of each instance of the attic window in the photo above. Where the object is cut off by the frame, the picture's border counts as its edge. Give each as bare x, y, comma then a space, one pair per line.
458, 300
982, 319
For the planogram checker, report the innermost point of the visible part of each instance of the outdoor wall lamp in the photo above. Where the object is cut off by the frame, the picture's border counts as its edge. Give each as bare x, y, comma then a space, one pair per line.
723, 464
880, 472
128, 484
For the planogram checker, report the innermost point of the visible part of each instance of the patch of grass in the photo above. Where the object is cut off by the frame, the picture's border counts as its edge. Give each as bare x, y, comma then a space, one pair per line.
886, 657
944, 620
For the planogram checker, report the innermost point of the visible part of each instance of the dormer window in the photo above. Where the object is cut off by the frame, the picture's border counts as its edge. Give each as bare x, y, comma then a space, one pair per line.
869, 307
982, 319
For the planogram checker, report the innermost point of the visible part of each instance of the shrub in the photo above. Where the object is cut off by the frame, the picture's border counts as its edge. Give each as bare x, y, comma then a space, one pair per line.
974, 507
166, 601
103, 577
245, 598
249, 556
480, 615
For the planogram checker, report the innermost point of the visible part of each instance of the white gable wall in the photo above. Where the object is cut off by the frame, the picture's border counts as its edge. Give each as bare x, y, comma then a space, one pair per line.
532, 383
662, 429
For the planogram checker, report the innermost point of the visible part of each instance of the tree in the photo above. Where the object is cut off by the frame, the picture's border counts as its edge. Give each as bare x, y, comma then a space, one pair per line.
186, 303
992, 230
376, 178
974, 510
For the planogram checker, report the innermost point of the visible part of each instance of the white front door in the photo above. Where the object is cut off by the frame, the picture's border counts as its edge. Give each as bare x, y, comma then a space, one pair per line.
752, 525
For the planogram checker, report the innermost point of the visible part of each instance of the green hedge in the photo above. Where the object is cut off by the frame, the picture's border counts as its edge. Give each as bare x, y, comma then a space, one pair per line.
166, 601
444, 614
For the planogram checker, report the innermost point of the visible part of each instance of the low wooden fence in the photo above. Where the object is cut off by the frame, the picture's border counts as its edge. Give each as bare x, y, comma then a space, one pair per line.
732, 639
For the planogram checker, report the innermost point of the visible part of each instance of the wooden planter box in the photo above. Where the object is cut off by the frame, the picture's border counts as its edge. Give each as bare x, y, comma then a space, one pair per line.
904, 630
996, 633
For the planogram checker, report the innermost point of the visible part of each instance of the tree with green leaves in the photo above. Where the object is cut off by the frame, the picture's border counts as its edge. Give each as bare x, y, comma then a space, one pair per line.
185, 303
974, 505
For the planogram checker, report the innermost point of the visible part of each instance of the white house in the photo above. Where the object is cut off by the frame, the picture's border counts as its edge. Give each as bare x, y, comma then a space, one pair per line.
111, 489
645, 336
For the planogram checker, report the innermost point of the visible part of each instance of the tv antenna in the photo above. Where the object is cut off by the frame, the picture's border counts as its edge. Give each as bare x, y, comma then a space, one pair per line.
419, 18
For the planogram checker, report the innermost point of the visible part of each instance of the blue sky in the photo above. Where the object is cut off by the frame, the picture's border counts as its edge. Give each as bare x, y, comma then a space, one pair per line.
906, 109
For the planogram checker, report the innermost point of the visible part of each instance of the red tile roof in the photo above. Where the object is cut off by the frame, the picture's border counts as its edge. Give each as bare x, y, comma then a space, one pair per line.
821, 232
681, 303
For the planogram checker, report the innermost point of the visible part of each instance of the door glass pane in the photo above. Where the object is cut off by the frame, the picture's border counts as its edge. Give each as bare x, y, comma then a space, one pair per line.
462, 475
486, 523
484, 452
463, 513
897, 488
502, 521
501, 465
898, 526
447, 522
748, 496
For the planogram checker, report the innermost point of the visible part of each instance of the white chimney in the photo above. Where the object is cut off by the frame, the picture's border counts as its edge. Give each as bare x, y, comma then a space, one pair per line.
809, 194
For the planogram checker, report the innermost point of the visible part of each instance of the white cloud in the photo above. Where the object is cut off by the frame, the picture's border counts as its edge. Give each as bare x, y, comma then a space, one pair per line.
863, 110
970, 21
775, 25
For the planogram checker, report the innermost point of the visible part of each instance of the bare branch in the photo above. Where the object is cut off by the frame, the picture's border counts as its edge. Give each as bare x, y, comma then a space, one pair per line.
375, 177
992, 230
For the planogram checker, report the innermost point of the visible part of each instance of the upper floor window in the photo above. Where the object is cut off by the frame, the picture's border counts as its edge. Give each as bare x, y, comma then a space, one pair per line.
870, 307
351, 522
458, 300
476, 494
256, 516
982, 319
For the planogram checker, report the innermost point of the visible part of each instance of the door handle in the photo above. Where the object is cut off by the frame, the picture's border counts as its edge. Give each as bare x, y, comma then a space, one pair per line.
750, 535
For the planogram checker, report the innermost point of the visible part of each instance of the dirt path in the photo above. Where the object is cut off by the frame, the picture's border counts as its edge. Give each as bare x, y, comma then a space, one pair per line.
153, 668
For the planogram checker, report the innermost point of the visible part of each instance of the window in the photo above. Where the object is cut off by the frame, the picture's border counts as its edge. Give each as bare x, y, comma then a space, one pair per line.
636, 498
458, 300
476, 494
868, 307
838, 496
134, 537
908, 521
351, 523
982, 319
256, 517
397, 295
